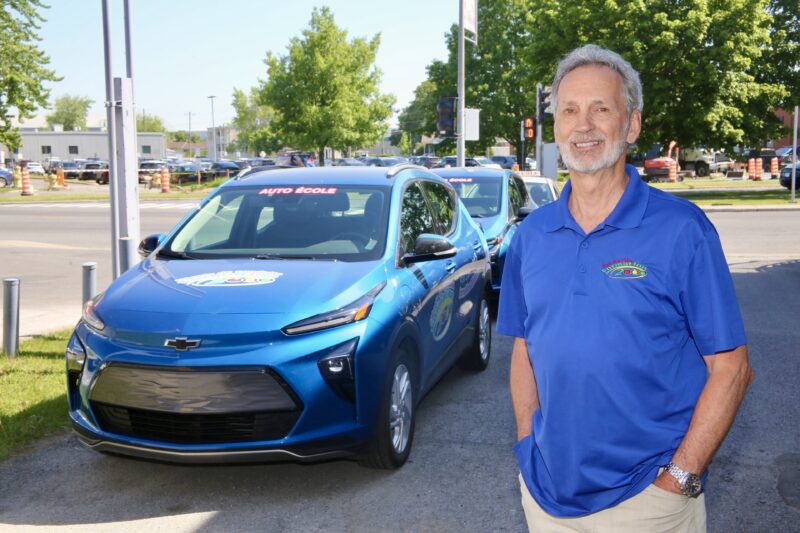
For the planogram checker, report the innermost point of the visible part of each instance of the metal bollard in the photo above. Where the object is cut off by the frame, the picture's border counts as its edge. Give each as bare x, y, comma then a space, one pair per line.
11, 316
89, 281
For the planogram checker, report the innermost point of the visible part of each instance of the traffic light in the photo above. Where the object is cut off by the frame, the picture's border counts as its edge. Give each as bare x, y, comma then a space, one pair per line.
529, 126
446, 116
542, 103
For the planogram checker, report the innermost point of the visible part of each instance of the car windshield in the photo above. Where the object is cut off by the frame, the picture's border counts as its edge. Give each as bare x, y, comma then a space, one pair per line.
480, 195
333, 222
541, 193
151, 165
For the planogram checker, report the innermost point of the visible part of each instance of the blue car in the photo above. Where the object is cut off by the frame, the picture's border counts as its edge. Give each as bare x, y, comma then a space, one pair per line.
6, 177
498, 200
295, 314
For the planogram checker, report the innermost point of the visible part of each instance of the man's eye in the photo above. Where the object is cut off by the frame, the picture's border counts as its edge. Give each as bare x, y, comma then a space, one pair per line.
602, 110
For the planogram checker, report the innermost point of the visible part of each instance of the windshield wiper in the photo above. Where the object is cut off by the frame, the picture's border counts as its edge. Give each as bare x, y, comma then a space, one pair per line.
269, 256
176, 255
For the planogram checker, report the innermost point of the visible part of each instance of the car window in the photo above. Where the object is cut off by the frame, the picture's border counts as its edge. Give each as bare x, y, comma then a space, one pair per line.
443, 204
341, 222
540, 193
523, 191
415, 217
479, 194
515, 199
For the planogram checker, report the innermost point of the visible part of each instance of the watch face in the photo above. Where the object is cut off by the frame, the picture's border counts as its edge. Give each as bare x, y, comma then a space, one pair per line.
693, 486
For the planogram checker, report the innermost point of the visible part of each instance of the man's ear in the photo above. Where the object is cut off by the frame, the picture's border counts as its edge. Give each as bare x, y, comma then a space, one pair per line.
635, 126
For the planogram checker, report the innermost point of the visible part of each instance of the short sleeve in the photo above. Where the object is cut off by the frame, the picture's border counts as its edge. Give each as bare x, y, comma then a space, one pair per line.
709, 299
511, 311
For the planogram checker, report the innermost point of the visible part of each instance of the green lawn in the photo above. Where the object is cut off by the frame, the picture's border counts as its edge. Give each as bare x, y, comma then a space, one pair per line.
770, 197
33, 399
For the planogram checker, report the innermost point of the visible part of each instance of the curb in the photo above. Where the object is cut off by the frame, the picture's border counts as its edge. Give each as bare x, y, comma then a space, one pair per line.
747, 208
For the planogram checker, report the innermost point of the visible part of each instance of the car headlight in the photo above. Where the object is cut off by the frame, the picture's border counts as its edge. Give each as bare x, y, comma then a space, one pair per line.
90, 315
354, 312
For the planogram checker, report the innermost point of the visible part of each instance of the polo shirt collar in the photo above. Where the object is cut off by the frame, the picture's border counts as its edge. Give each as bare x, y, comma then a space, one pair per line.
627, 214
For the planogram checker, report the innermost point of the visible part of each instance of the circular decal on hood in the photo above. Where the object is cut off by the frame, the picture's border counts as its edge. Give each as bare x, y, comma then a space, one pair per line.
442, 313
230, 278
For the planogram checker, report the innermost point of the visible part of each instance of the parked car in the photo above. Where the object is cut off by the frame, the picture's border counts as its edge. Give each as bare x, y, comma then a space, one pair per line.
786, 155
6, 178
427, 161
298, 314
71, 169
505, 161
35, 167
348, 162
97, 171
498, 200
451, 161
187, 173
150, 169
786, 176
224, 169
542, 190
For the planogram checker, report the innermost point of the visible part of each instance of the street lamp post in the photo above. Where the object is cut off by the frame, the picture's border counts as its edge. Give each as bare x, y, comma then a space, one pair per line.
213, 129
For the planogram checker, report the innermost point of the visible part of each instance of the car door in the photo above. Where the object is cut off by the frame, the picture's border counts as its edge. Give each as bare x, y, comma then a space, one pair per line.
433, 293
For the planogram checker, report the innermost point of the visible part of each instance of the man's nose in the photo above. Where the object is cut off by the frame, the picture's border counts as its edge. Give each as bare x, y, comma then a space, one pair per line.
583, 121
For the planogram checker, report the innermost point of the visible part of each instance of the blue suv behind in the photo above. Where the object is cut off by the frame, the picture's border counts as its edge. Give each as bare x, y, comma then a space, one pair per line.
295, 314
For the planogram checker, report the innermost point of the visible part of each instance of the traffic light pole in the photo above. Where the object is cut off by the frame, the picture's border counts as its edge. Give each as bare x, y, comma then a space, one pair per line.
539, 115
460, 103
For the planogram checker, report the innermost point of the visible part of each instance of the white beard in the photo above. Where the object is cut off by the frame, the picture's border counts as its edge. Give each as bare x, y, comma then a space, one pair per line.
609, 157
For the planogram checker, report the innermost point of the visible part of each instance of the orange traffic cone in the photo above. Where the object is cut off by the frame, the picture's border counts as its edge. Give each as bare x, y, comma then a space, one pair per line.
164, 179
673, 171
27, 188
751, 168
773, 167
758, 168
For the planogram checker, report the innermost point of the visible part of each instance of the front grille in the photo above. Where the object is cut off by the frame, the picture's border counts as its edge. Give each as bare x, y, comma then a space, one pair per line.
181, 428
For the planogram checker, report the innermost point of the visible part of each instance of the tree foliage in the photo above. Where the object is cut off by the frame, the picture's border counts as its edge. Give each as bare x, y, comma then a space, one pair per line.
150, 123
253, 121
23, 66
700, 62
184, 137
325, 90
70, 112
782, 57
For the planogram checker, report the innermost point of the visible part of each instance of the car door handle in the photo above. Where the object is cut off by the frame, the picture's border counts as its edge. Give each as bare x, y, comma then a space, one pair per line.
450, 266
476, 245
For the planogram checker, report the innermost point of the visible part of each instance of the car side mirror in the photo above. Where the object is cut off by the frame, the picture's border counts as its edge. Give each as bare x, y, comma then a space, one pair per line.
150, 243
523, 212
429, 247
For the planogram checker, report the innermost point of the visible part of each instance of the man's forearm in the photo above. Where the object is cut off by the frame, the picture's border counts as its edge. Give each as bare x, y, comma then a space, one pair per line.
729, 376
524, 395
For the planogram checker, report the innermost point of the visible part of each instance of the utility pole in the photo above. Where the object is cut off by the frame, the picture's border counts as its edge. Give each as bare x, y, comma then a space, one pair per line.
112, 141
213, 129
189, 133
460, 122
794, 157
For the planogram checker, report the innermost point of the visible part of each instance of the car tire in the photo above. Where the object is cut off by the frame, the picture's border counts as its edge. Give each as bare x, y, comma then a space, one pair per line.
701, 170
477, 356
394, 430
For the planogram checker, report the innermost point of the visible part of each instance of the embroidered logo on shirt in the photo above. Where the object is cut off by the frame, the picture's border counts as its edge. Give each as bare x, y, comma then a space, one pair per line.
624, 268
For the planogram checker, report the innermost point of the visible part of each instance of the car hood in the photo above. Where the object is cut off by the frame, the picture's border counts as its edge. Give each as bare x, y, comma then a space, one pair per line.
492, 226
184, 295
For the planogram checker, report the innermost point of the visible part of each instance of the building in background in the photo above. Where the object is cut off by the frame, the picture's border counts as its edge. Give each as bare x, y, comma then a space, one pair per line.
70, 145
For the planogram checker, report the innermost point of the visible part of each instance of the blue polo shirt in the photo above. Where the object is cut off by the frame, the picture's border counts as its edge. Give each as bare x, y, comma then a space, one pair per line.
616, 323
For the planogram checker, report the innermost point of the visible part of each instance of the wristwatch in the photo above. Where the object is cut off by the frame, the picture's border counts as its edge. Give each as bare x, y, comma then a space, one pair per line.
690, 484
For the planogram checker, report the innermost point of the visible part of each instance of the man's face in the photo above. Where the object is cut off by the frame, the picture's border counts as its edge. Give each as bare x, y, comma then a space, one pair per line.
592, 128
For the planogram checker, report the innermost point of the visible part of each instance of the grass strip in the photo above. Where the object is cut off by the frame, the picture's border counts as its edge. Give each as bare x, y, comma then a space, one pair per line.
755, 198
33, 402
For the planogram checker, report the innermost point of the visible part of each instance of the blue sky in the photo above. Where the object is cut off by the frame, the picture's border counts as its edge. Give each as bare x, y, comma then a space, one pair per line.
186, 50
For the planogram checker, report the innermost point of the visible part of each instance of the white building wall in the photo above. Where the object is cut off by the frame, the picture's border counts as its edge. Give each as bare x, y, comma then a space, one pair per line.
68, 145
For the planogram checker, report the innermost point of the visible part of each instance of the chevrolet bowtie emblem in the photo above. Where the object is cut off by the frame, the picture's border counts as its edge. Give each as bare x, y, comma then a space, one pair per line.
182, 343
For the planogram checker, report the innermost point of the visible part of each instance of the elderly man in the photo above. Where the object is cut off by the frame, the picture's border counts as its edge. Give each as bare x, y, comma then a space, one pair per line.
629, 362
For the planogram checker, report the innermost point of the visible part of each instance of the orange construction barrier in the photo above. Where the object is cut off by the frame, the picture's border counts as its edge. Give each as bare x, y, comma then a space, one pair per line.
673, 171
164, 179
60, 177
27, 188
773, 167
758, 167
515, 167
198, 177
751, 168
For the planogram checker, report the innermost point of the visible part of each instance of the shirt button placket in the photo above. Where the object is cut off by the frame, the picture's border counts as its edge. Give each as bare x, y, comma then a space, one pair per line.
580, 282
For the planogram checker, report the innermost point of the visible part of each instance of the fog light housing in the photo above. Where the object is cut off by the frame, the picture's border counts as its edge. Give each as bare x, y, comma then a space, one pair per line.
338, 369
76, 358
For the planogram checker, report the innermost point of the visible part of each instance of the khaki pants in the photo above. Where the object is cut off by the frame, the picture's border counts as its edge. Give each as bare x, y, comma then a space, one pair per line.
653, 510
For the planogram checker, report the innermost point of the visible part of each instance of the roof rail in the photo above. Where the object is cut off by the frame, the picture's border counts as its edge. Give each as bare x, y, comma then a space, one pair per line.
249, 171
395, 169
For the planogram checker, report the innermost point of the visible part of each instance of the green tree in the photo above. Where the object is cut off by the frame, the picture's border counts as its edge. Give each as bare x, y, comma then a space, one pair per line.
252, 121
70, 112
782, 58
325, 90
23, 66
405, 145
150, 123
419, 117
184, 136
700, 62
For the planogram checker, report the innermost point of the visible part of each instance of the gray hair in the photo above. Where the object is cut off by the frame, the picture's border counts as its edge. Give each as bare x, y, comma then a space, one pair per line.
591, 54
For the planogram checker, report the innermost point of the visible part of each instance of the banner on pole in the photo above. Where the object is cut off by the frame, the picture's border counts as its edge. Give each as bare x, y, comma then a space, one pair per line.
470, 8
